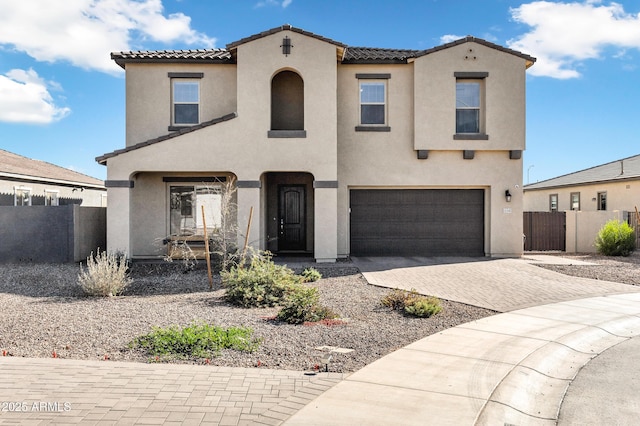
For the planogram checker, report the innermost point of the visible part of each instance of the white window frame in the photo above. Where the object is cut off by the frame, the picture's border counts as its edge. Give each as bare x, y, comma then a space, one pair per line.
384, 103
22, 189
174, 102
51, 197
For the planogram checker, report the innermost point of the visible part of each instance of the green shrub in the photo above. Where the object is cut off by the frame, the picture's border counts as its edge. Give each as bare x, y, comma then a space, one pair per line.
615, 239
397, 299
197, 340
302, 304
412, 303
311, 275
423, 307
106, 274
262, 283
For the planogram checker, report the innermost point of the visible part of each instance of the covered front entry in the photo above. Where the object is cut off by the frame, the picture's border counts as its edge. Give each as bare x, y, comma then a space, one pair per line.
290, 213
417, 222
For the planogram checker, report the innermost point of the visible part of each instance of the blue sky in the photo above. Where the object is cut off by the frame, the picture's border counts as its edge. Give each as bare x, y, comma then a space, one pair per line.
62, 98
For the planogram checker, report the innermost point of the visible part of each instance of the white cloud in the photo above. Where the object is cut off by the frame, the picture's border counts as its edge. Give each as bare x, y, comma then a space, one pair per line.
565, 34
26, 99
283, 3
84, 32
448, 38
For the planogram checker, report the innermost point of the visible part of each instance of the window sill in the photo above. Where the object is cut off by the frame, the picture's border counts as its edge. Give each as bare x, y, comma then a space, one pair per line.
180, 127
373, 129
287, 134
470, 137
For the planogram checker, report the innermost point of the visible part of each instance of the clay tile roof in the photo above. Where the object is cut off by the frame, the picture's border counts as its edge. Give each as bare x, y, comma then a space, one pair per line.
275, 30
17, 166
364, 55
529, 59
183, 56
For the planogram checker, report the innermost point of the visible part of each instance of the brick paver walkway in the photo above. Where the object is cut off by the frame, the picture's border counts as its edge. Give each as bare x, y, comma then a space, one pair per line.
91, 392
499, 284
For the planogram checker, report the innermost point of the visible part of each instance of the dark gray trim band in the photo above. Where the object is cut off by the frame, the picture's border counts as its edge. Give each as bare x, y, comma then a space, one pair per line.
185, 74
468, 154
118, 184
378, 76
249, 184
194, 178
287, 134
470, 74
470, 137
515, 154
423, 154
325, 183
373, 129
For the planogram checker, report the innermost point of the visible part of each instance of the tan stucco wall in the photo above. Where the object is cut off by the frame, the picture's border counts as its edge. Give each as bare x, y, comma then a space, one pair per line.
583, 226
623, 195
148, 96
435, 98
87, 197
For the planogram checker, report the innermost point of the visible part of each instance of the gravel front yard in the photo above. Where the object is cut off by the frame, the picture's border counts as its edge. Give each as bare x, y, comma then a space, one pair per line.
43, 310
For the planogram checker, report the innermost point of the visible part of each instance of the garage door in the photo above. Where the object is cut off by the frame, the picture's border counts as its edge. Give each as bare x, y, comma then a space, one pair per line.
417, 222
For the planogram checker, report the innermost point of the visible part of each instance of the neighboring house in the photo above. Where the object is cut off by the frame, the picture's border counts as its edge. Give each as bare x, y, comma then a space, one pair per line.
27, 182
607, 187
338, 151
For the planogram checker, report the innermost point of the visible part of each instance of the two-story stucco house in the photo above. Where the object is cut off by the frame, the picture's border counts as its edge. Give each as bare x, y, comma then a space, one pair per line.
338, 151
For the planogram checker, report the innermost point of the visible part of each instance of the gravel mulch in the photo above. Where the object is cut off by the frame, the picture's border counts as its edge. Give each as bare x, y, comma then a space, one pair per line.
619, 269
44, 310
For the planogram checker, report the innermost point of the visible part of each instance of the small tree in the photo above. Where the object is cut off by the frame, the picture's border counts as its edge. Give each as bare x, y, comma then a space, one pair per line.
615, 239
224, 242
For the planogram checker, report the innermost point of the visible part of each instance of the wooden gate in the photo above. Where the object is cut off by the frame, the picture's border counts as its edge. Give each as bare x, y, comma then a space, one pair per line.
544, 231
634, 221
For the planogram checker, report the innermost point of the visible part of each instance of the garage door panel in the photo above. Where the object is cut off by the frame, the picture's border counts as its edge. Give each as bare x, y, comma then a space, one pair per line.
412, 222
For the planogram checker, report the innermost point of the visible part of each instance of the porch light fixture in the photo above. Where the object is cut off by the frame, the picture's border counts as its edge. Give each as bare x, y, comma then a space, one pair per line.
507, 195
286, 46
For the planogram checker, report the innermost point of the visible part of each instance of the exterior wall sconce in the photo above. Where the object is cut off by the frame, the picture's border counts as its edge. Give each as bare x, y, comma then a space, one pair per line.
507, 195
286, 46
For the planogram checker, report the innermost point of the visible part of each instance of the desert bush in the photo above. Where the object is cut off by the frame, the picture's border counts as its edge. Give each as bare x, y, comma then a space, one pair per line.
412, 303
423, 307
106, 274
311, 275
261, 283
196, 340
302, 304
615, 238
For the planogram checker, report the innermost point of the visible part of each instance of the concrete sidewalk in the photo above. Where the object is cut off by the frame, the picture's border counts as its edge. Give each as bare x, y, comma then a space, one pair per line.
508, 369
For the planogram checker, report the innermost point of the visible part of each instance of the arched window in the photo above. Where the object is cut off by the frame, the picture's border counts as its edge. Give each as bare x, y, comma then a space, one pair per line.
287, 101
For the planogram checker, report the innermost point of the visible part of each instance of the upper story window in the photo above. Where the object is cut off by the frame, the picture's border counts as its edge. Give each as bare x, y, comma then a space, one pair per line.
575, 201
373, 102
185, 98
51, 197
470, 114
287, 105
468, 107
553, 202
602, 200
21, 196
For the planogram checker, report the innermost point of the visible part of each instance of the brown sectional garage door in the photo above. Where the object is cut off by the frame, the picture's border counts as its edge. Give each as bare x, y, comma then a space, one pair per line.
417, 222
